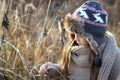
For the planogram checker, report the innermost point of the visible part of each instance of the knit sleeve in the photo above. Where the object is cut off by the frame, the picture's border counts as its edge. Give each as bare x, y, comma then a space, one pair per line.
54, 71
115, 72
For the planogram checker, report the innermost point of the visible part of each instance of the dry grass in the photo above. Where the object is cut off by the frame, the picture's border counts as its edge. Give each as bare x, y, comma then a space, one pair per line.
33, 36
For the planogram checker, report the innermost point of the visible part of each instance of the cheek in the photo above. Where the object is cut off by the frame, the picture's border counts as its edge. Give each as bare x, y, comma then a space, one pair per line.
85, 43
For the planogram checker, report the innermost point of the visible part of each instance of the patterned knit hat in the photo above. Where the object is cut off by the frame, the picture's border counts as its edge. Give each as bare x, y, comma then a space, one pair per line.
95, 19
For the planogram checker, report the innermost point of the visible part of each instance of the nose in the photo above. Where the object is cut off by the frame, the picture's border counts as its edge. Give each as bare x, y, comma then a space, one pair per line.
76, 38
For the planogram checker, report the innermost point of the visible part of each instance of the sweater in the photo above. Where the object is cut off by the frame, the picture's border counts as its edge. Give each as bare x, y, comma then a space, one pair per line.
110, 68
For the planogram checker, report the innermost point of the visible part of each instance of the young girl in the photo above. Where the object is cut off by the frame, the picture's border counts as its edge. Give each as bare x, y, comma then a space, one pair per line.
77, 59
92, 53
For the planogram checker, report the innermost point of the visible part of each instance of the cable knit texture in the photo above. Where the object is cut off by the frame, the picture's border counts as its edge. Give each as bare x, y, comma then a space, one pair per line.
110, 69
79, 67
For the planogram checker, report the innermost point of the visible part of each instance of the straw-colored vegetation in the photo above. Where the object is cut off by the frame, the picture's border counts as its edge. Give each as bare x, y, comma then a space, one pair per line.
34, 34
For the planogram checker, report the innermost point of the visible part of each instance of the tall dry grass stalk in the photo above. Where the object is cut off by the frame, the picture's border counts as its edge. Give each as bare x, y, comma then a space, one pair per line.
26, 48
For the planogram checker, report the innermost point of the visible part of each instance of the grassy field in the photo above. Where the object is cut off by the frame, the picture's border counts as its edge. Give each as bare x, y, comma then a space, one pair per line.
34, 34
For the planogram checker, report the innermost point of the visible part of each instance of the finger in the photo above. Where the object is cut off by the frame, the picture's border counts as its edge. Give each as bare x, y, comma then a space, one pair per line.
43, 69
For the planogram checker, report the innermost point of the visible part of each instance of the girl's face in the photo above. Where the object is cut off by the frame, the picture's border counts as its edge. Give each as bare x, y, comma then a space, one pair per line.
80, 40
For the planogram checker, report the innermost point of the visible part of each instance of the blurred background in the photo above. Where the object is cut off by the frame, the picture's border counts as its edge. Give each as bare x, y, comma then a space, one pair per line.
32, 33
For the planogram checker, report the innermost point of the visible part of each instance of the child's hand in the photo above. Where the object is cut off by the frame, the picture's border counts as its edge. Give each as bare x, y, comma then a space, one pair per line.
44, 69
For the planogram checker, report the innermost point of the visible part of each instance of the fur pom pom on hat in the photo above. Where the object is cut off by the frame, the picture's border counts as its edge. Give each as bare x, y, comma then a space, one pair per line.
95, 19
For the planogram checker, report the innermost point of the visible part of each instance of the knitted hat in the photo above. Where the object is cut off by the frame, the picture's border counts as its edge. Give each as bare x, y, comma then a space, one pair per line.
95, 19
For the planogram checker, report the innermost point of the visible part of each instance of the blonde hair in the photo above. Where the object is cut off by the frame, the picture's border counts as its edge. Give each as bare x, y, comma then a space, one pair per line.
66, 58
66, 55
